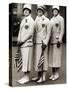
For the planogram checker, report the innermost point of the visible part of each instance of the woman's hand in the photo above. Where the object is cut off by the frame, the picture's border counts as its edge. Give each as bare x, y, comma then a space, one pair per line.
58, 44
19, 43
43, 46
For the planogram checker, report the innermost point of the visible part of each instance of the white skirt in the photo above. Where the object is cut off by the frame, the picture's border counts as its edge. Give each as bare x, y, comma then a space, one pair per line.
55, 55
37, 54
27, 56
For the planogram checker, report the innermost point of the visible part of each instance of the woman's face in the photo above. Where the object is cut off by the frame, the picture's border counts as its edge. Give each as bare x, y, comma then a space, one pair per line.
26, 12
55, 12
40, 12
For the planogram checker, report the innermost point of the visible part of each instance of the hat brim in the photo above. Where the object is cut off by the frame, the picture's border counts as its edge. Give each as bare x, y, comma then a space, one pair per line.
55, 9
40, 9
27, 9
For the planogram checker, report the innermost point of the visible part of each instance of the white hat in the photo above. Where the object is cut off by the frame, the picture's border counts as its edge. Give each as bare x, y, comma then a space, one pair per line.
27, 6
55, 7
40, 7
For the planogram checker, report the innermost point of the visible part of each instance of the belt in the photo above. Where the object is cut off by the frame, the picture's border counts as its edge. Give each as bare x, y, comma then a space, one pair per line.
53, 43
26, 46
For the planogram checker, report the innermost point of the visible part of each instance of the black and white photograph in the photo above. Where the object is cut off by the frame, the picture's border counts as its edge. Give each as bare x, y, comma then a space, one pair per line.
37, 44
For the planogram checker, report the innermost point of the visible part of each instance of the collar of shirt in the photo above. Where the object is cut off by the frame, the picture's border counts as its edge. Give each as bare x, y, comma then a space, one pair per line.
28, 17
41, 16
56, 16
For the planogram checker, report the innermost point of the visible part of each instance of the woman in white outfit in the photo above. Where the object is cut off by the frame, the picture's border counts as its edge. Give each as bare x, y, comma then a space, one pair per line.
42, 36
55, 52
25, 40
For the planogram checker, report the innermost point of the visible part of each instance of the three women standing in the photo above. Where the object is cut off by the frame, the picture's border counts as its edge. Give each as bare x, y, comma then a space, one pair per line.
44, 30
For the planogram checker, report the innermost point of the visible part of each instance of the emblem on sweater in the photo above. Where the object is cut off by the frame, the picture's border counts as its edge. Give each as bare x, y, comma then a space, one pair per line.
56, 24
43, 25
26, 26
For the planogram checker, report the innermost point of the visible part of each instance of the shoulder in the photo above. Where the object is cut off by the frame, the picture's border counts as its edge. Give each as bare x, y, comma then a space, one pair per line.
31, 19
52, 20
60, 18
36, 18
47, 19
